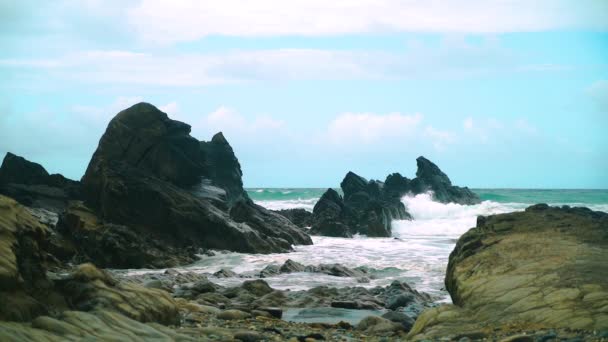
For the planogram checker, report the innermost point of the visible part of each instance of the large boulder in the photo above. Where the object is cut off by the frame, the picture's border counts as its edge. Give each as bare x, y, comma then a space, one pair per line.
30, 184
149, 174
544, 268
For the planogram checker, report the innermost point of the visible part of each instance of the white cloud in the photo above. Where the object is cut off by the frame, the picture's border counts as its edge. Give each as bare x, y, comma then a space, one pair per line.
440, 138
186, 20
171, 108
451, 57
233, 124
368, 128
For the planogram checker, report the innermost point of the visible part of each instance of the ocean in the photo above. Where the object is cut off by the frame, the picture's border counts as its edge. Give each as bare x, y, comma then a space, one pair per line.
417, 253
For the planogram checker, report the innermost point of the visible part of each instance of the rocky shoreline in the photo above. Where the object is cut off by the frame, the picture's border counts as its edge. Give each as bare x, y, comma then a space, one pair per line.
153, 197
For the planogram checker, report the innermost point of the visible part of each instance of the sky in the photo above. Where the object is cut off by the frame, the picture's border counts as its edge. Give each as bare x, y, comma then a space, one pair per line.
508, 94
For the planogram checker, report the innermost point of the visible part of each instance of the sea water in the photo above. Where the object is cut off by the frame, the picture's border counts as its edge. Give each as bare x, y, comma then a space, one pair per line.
417, 253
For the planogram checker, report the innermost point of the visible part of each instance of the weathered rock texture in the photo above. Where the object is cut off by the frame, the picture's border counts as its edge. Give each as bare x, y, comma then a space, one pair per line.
26, 291
542, 268
30, 184
150, 175
369, 207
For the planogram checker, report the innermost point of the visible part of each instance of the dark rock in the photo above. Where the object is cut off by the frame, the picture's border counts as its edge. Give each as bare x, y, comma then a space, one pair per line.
365, 209
111, 245
269, 271
399, 301
224, 273
300, 217
149, 173
369, 207
31, 185
257, 287
274, 312
329, 216
291, 266
430, 178
398, 317
248, 336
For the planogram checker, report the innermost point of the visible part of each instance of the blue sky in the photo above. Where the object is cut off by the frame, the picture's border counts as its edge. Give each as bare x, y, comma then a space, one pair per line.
497, 93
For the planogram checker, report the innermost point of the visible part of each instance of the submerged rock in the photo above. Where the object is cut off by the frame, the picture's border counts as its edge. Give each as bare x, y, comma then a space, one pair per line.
149, 174
538, 269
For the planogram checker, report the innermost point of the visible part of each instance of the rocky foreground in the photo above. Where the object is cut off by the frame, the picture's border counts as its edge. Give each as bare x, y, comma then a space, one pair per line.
537, 275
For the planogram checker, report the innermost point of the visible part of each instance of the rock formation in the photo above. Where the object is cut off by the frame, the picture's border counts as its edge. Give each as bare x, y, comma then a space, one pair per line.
544, 268
368, 207
298, 216
364, 209
149, 174
30, 184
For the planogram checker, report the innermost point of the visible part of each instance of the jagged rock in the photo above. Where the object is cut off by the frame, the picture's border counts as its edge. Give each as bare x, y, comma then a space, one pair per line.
148, 173
300, 217
365, 209
369, 207
329, 216
430, 178
542, 268
31, 185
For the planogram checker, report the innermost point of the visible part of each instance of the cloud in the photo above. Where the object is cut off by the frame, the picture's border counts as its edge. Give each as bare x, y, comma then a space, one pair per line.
171, 108
349, 128
448, 58
439, 138
188, 20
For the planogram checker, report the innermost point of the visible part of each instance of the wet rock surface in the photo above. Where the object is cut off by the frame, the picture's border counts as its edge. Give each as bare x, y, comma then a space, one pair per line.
538, 269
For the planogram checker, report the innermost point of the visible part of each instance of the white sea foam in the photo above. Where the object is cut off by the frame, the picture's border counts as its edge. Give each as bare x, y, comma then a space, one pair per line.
418, 256
307, 204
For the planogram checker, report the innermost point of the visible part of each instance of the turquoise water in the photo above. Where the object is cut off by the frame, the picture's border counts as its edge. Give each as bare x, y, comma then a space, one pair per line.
282, 198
